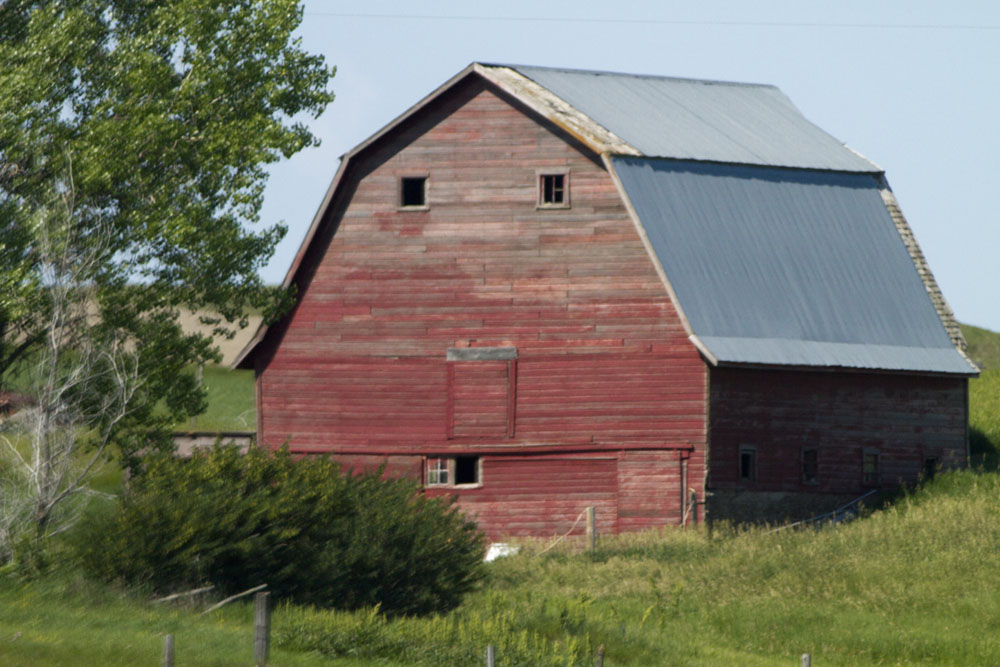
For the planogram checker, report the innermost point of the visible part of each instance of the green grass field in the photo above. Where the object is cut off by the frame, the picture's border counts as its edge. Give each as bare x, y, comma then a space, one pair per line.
231, 403
984, 397
916, 583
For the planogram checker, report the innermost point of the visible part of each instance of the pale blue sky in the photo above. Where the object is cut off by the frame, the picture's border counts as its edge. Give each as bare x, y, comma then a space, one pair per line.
914, 86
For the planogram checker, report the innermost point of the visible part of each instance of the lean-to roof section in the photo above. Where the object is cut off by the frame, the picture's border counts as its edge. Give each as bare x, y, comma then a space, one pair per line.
700, 120
789, 267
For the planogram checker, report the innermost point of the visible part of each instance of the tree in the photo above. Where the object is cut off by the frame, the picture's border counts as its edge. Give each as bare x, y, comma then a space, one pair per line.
134, 140
84, 378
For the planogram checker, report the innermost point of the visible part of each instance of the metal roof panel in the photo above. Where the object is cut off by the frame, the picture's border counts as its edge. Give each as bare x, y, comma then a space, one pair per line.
700, 120
787, 266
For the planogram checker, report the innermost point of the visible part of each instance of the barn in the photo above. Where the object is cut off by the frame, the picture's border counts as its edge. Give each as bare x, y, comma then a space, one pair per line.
544, 289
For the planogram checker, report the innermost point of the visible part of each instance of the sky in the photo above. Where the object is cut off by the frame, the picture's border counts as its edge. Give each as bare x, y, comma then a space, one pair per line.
914, 86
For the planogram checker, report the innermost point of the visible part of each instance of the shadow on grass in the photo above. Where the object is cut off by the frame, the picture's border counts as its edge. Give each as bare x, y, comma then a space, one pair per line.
983, 452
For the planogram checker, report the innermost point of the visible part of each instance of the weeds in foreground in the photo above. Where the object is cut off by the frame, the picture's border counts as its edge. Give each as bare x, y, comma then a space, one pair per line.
913, 583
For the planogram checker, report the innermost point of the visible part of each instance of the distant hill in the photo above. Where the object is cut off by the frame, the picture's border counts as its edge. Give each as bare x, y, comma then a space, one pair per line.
984, 346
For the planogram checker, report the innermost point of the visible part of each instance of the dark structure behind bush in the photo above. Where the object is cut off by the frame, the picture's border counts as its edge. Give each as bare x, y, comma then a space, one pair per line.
314, 535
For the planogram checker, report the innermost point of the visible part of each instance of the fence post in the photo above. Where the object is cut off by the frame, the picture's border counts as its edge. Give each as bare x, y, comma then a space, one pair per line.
262, 629
591, 528
168, 651
491, 658
807, 660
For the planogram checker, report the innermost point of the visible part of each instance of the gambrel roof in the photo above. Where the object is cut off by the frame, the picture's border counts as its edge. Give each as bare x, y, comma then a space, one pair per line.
778, 244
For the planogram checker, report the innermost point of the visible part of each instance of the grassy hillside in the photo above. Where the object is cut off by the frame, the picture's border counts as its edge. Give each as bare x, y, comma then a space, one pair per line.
984, 397
984, 346
231, 402
916, 583
984, 419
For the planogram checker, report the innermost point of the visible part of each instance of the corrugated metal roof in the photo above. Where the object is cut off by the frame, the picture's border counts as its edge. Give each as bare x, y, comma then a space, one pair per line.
700, 120
775, 266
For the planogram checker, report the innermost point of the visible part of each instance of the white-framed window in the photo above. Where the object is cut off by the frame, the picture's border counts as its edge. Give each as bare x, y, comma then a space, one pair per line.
460, 471
553, 189
413, 192
437, 471
748, 463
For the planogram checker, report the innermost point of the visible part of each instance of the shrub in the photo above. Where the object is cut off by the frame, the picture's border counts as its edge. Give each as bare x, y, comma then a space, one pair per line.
313, 534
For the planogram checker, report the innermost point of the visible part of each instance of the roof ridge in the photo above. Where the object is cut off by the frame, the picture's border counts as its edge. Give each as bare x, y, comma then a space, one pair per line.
633, 75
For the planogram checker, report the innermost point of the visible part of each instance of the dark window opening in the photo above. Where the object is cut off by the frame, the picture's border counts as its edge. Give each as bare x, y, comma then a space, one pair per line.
748, 464
810, 466
931, 466
413, 191
467, 470
552, 190
869, 469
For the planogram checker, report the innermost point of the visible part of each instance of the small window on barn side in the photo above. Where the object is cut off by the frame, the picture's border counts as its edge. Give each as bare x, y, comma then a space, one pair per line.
870, 474
437, 472
454, 471
748, 463
553, 190
466, 470
810, 465
413, 192
931, 466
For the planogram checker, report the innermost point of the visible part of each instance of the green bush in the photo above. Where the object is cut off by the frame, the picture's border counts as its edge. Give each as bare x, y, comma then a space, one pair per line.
314, 535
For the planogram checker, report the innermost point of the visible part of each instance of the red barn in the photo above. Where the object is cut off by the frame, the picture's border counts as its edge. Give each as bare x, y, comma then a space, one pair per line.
544, 289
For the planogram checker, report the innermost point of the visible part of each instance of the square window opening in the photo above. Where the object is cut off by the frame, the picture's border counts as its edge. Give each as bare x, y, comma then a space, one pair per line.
413, 191
810, 466
552, 190
748, 464
466, 470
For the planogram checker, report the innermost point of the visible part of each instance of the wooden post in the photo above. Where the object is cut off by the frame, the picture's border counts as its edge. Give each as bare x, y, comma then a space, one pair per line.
491, 657
599, 660
168, 651
806, 660
262, 629
591, 528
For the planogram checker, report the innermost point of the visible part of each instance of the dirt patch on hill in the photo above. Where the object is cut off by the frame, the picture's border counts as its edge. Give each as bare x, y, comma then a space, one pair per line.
230, 347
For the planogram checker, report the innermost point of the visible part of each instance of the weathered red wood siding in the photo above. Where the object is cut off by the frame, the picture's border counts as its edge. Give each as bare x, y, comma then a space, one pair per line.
904, 418
545, 494
603, 363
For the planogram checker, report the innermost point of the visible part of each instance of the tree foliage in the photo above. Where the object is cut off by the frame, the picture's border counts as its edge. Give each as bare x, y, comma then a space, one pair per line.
165, 115
134, 141
312, 534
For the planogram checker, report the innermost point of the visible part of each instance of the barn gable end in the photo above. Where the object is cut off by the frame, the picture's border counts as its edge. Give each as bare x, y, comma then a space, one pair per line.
370, 362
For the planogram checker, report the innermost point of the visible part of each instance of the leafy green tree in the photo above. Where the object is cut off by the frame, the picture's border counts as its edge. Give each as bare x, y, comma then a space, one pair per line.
134, 141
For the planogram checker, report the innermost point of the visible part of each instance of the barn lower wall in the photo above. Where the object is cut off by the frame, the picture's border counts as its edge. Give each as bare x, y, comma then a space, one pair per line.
741, 506
545, 495
909, 423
